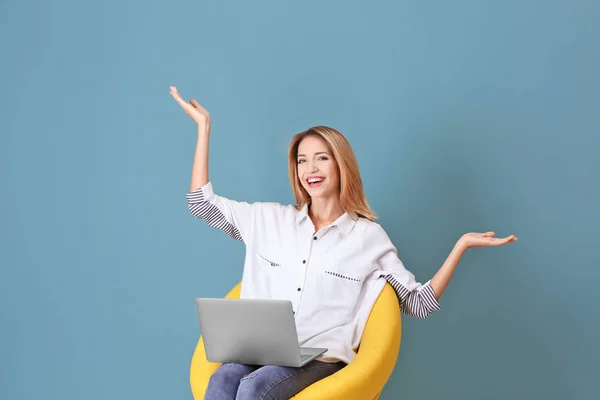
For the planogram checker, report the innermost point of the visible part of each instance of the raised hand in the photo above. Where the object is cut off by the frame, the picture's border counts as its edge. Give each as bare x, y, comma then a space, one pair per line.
193, 108
474, 239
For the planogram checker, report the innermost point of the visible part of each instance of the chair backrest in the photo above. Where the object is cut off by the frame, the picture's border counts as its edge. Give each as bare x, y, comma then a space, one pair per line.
234, 293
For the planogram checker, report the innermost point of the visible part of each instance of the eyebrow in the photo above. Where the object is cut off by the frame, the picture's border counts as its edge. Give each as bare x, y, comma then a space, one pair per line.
316, 154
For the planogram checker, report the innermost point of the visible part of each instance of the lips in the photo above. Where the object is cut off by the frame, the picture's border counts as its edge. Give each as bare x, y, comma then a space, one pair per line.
315, 181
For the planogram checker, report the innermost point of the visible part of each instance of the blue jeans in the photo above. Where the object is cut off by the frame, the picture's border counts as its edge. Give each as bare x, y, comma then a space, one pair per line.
232, 381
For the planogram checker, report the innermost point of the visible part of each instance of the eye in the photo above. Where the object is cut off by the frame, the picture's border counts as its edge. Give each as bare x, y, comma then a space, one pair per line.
324, 158
300, 161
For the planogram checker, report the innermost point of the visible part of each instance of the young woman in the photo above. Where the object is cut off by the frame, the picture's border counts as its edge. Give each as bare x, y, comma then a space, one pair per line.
325, 254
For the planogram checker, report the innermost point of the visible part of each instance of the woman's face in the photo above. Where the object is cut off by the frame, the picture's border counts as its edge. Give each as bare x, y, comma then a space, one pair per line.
317, 169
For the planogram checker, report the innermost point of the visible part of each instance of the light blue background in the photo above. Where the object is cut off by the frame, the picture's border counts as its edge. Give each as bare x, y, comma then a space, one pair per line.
464, 115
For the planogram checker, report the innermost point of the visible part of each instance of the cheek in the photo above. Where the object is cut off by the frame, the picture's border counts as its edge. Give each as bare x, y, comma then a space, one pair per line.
337, 178
333, 172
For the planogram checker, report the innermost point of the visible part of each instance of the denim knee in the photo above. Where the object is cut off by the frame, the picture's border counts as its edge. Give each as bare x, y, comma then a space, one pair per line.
223, 383
254, 387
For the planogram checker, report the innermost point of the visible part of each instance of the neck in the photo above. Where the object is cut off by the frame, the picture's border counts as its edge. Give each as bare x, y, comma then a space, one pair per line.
324, 211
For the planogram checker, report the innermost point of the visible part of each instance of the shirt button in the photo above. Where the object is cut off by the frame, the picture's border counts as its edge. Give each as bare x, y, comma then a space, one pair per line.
298, 289
303, 261
315, 238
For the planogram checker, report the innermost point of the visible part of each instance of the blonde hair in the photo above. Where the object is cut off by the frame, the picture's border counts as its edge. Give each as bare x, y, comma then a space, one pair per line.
352, 197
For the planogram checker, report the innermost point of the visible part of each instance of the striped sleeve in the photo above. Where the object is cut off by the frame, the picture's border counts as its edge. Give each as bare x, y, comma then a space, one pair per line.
416, 299
232, 217
420, 302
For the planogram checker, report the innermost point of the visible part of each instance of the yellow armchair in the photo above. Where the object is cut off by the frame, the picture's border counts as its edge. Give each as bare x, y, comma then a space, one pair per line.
362, 379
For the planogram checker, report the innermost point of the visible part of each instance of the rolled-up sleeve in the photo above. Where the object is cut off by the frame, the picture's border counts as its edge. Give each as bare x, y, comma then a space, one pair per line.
232, 217
416, 299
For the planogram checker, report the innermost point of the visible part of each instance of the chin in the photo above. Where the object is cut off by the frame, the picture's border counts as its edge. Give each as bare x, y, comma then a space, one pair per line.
320, 193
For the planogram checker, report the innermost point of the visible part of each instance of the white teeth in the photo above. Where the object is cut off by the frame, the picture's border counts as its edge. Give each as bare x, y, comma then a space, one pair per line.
313, 180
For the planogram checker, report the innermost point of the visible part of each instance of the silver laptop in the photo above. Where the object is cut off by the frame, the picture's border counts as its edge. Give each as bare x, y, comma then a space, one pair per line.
252, 331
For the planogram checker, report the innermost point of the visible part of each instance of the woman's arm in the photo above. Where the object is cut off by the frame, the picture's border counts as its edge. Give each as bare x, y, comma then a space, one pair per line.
232, 217
440, 280
416, 299
202, 119
200, 166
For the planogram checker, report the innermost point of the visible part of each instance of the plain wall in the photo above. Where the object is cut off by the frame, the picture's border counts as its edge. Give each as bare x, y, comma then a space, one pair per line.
465, 116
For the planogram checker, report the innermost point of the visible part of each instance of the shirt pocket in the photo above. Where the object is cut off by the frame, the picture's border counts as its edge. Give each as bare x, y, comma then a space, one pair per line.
268, 275
339, 292
268, 260
270, 266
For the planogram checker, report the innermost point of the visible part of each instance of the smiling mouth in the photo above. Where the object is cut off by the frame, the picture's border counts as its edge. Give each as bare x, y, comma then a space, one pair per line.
314, 182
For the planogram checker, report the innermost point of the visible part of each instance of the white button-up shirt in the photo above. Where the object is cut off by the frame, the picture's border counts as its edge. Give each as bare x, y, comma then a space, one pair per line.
332, 277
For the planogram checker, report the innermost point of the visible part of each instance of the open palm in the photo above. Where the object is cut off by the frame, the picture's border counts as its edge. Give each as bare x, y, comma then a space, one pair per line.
475, 239
193, 108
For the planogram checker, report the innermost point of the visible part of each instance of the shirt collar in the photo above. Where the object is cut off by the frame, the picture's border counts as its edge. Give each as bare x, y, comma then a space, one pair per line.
344, 222
303, 213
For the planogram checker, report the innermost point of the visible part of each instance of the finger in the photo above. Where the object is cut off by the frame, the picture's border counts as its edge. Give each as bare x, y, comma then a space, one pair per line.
505, 240
198, 106
178, 98
195, 103
175, 93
